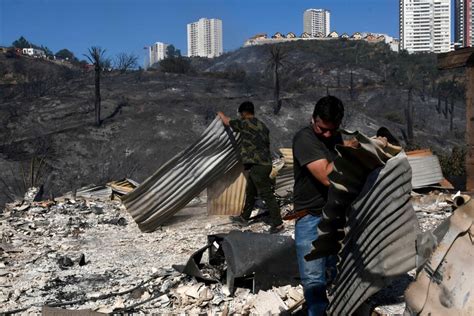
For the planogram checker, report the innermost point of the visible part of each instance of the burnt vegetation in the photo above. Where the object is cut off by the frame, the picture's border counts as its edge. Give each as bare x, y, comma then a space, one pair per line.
98, 115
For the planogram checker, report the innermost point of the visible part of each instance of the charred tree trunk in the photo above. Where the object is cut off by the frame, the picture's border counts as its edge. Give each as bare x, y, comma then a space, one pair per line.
451, 115
97, 95
409, 118
351, 89
276, 92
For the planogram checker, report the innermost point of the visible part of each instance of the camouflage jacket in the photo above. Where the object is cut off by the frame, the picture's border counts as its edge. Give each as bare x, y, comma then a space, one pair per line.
255, 141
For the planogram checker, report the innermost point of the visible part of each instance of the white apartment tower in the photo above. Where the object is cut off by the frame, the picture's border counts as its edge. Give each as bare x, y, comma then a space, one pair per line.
425, 25
317, 21
205, 38
156, 52
463, 23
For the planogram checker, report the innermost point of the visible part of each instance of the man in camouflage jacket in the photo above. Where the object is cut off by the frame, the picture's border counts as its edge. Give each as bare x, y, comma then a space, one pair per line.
257, 160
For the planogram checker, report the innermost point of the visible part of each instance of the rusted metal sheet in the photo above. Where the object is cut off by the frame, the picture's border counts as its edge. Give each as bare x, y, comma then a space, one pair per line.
226, 196
285, 179
178, 181
123, 186
368, 222
459, 58
444, 284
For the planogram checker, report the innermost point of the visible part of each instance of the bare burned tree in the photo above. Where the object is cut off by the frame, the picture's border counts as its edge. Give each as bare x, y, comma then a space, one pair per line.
96, 56
125, 62
276, 61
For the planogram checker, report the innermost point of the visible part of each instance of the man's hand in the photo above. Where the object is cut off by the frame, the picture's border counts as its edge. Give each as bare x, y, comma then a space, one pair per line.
381, 141
320, 169
225, 119
354, 143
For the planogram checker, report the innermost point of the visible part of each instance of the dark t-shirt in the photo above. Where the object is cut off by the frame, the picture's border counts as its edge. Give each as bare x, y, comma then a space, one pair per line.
309, 193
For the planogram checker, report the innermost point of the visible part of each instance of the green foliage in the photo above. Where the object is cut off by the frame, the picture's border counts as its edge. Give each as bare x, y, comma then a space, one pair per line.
66, 54
179, 65
22, 43
47, 51
171, 51
454, 163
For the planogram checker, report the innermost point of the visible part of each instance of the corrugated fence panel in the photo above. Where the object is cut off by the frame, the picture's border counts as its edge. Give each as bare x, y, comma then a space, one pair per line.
178, 181
226, 196
426, 170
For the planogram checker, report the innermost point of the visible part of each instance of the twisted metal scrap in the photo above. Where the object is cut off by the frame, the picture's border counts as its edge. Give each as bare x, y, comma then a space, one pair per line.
183, 177
368, 222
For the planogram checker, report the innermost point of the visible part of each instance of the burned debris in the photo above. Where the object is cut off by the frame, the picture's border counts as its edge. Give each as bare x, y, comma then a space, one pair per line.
88, 251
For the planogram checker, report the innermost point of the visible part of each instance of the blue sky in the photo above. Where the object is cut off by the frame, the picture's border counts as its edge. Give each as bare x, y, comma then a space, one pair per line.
129, 25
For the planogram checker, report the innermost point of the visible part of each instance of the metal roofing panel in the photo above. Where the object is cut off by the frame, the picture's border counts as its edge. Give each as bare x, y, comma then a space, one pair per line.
226, 196
426, 171
368, 222
183, 177
379, 244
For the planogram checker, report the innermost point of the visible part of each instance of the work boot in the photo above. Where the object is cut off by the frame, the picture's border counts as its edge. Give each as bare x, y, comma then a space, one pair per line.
239, 220
275, 229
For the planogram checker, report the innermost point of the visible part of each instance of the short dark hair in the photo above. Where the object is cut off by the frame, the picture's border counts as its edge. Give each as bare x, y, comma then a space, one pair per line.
329, 109
247, 106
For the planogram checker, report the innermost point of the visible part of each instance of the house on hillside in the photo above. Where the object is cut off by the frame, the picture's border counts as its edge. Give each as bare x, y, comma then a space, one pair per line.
291, 35
278, 35
305, 35
319, 35
344, 36
371, 38
259, 36
356, 36
34, 52
333, 34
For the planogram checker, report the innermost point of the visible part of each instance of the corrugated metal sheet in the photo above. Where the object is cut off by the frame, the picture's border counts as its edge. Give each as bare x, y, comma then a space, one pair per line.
91, 192
285, 179
226, 196
178, 181
368, 222
123, 186
445, 285
426, 170
379, 244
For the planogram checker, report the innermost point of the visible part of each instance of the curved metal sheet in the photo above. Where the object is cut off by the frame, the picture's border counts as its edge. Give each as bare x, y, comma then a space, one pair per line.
379, 243
183, 177
368, 222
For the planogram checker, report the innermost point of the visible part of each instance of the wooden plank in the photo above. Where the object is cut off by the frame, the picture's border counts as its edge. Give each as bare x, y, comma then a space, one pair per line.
459, 58
470, 128
227, 195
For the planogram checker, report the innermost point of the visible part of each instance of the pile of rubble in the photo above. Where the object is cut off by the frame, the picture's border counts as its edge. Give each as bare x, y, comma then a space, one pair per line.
89, 254
85, 253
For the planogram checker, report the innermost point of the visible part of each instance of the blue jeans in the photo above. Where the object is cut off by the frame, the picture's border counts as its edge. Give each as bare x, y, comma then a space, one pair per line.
312, 273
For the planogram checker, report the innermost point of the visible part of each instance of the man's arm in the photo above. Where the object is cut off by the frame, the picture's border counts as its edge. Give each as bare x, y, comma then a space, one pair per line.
225, 119
320, 169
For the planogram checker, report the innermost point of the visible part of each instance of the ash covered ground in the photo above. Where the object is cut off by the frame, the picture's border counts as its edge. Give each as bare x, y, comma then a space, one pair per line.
90, 254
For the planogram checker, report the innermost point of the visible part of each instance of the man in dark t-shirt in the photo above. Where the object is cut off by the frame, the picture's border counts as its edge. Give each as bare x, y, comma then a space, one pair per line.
257, 160
313, 153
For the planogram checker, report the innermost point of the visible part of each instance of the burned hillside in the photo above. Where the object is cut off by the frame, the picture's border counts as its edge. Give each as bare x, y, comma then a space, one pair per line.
150, 116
